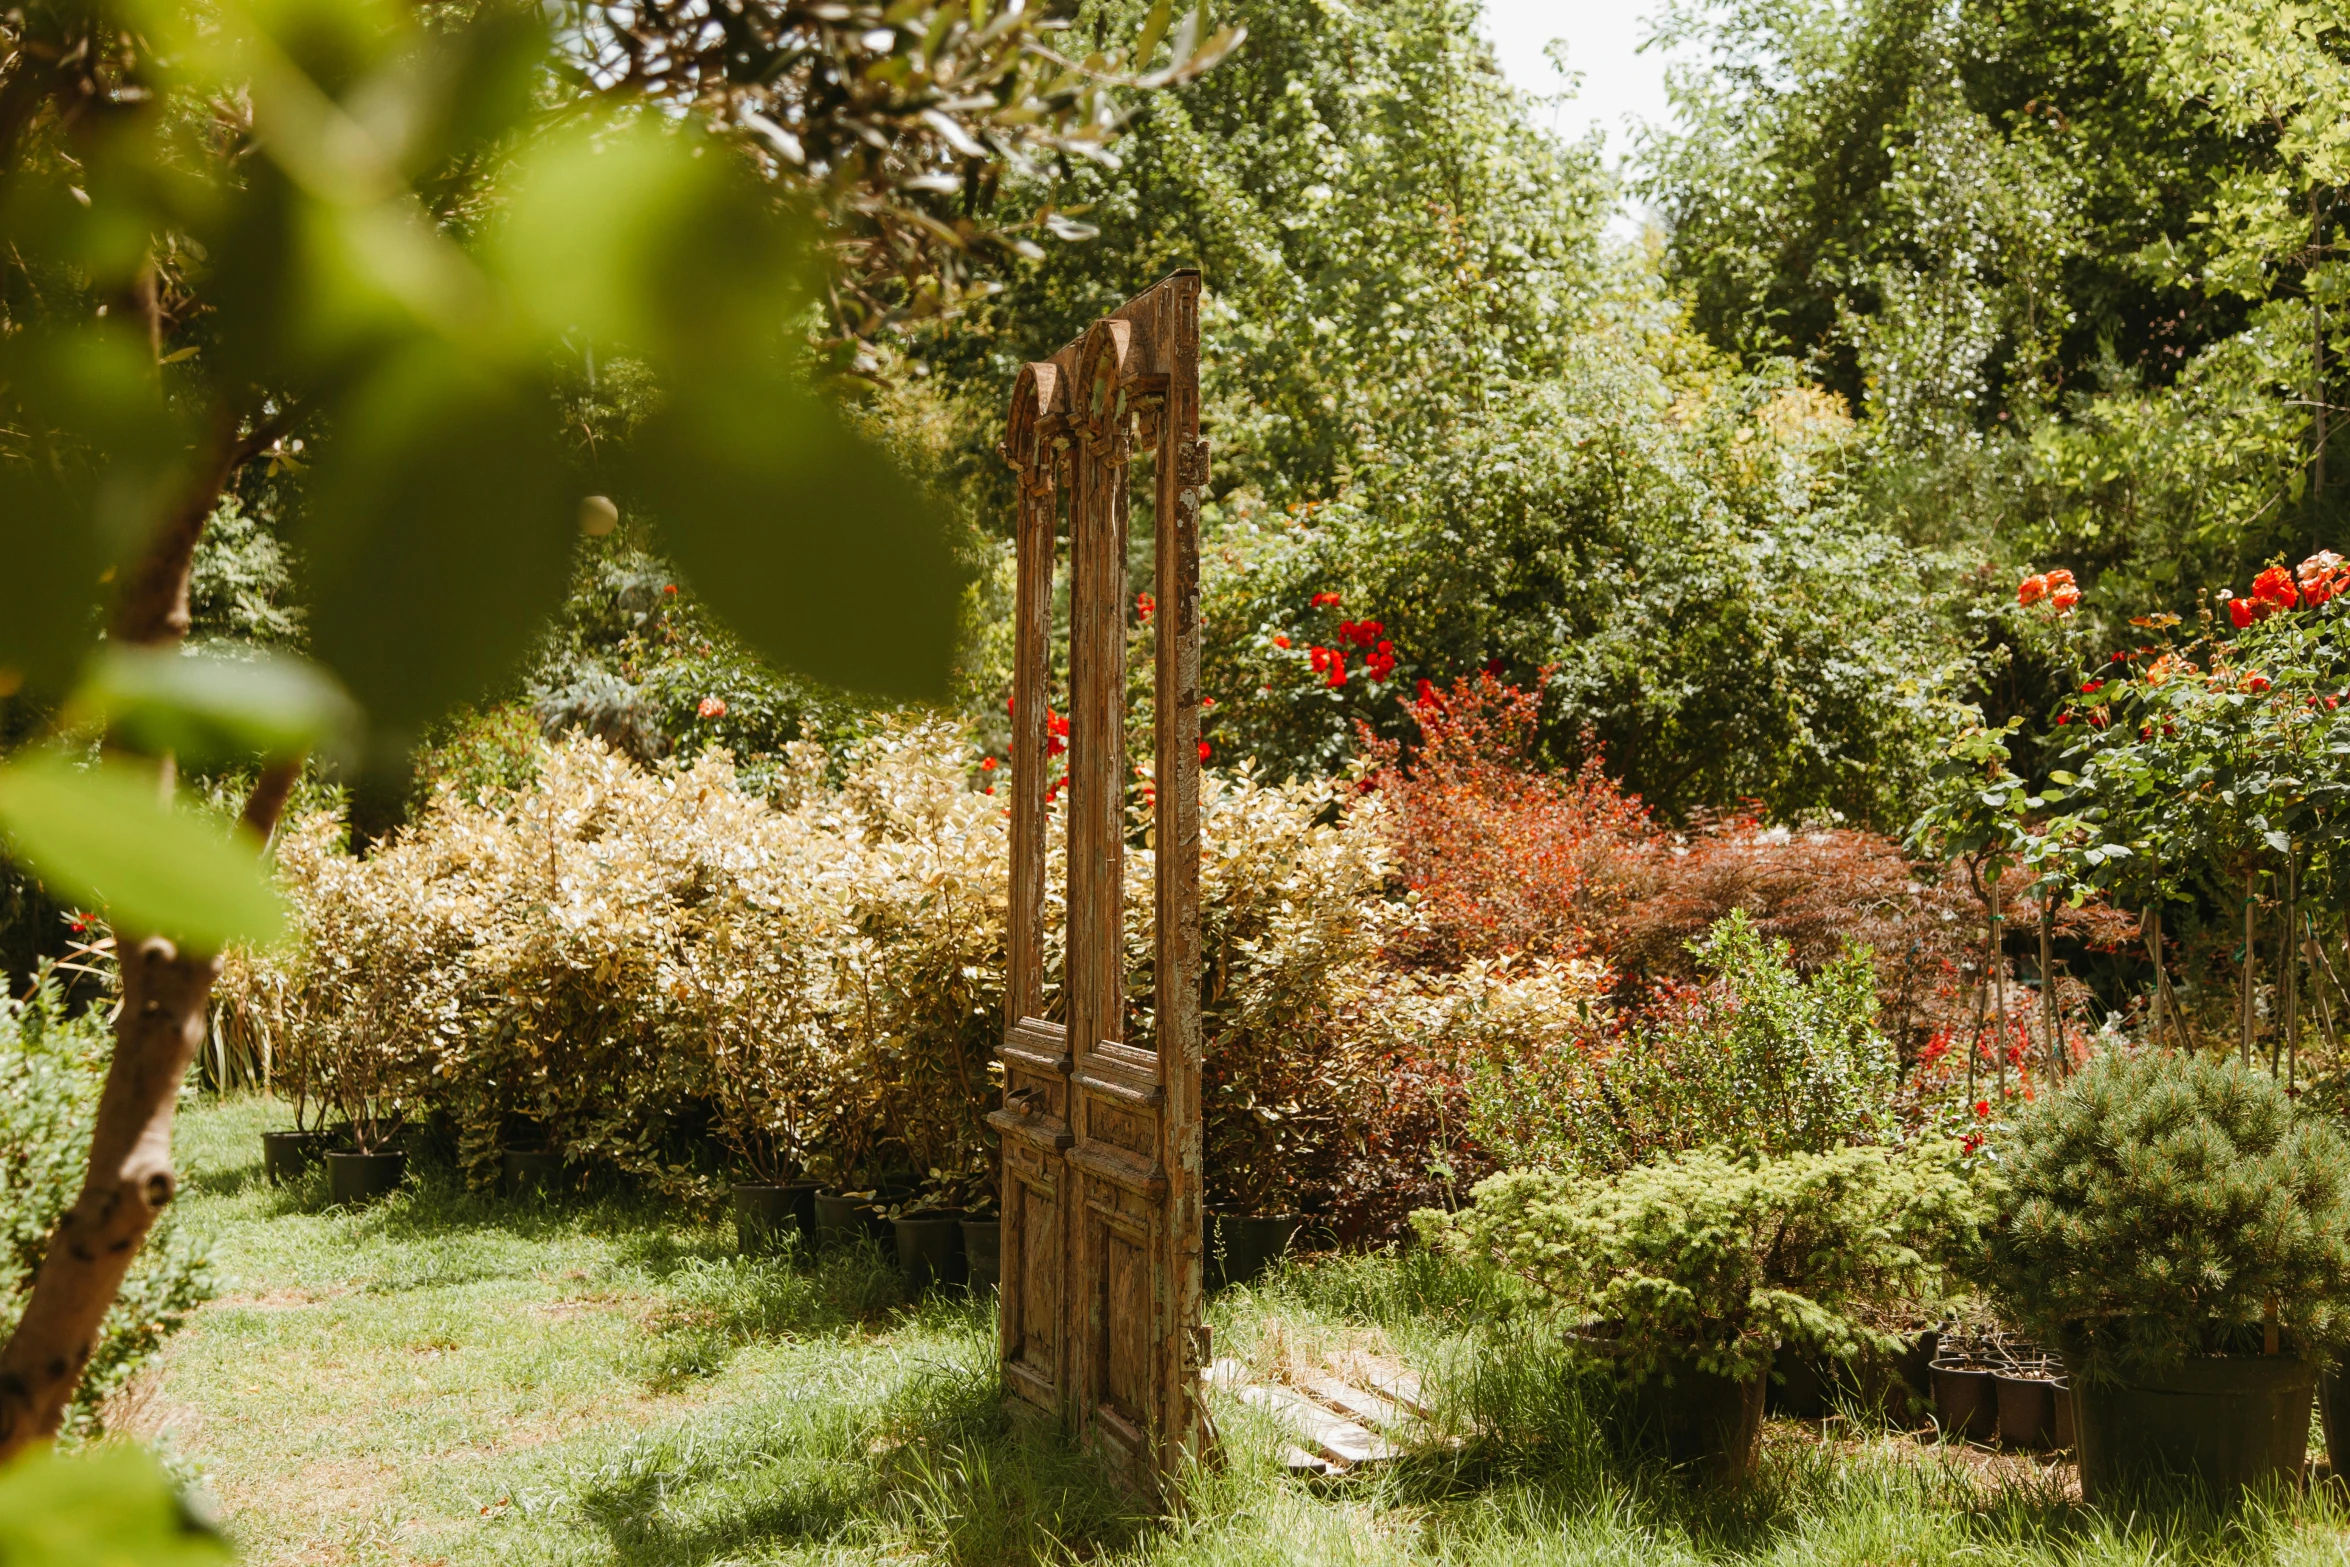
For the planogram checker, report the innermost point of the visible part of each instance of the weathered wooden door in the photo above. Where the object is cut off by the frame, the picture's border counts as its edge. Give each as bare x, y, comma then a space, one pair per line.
1101, 1135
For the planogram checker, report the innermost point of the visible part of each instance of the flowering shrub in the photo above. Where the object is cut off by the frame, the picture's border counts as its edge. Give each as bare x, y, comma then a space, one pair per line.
2197, 779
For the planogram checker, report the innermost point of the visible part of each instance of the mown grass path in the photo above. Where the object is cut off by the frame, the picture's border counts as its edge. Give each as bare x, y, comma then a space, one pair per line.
452, 1379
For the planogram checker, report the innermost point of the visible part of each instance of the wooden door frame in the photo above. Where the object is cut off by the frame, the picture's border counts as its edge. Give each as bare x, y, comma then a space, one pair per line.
1101, 1315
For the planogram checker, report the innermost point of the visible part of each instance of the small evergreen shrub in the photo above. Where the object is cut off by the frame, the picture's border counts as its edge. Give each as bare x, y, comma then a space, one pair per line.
1712, 1259
51, 1069
2157, 1205
1761, 1059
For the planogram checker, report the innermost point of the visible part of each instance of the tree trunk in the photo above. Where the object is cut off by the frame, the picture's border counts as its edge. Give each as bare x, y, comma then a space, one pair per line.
165, 996
166, 1005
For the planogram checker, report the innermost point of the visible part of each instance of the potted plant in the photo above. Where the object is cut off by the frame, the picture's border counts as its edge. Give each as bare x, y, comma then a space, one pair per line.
770, 1082
288, 1153
1253, 1135
362, 1075
2180, 1231
1683, 1278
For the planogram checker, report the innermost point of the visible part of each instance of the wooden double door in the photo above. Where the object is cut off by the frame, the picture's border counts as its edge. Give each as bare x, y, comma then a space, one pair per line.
1101, 1134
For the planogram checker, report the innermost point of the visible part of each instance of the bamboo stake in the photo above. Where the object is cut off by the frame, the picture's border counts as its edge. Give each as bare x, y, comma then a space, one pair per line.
2244, 1008
2048, 985
1999, 991
2315, 954
2290, 974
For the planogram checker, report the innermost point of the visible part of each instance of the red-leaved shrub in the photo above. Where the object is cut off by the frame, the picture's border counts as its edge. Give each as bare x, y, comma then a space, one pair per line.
1501, 857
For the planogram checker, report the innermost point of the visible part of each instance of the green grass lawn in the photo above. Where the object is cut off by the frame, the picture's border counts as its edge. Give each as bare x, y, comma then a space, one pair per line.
448, 1378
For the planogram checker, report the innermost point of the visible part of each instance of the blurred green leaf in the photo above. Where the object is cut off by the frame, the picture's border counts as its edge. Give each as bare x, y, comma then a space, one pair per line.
210, 708
101, 456
50, 588
104, 836
438, 532
653, 239
110, 1506
803, 535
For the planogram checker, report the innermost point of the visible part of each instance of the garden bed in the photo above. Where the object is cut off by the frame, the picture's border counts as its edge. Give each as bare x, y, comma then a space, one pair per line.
447, 1378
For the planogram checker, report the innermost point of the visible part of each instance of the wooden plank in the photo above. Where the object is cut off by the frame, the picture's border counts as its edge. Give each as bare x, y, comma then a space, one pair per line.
1181, 489
1032, 1336
1371, 1409
1383, 1376
1032, 604
1333, 1436
1104, 1280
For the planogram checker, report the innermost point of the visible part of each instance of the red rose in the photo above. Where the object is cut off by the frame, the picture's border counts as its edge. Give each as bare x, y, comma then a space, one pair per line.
2275, 586
1205, 751
2240, 613
987, 764
1279, 640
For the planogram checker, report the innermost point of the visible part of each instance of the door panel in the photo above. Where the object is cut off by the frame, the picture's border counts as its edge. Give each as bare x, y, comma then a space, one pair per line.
1101, 1136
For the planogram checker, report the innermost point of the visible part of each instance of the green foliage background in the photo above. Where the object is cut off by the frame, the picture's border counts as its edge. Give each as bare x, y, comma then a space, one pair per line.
51, 1066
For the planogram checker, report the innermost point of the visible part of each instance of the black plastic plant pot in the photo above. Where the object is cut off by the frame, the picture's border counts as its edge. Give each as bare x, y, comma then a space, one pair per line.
530, 1172
1966, 1400
1896, 1387
1799, 1384
983, 1253
2228, 1422
764, 1214
353, 1178
289, 1155
930, 1249
842, 1217
1242, 1246
1700, 1421
2027, 1410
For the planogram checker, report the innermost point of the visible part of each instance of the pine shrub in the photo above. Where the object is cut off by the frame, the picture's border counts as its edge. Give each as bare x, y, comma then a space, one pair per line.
1714, 1260
2159, 1205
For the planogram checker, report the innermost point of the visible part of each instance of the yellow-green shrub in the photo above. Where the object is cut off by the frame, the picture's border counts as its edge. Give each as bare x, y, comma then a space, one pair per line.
620, 955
